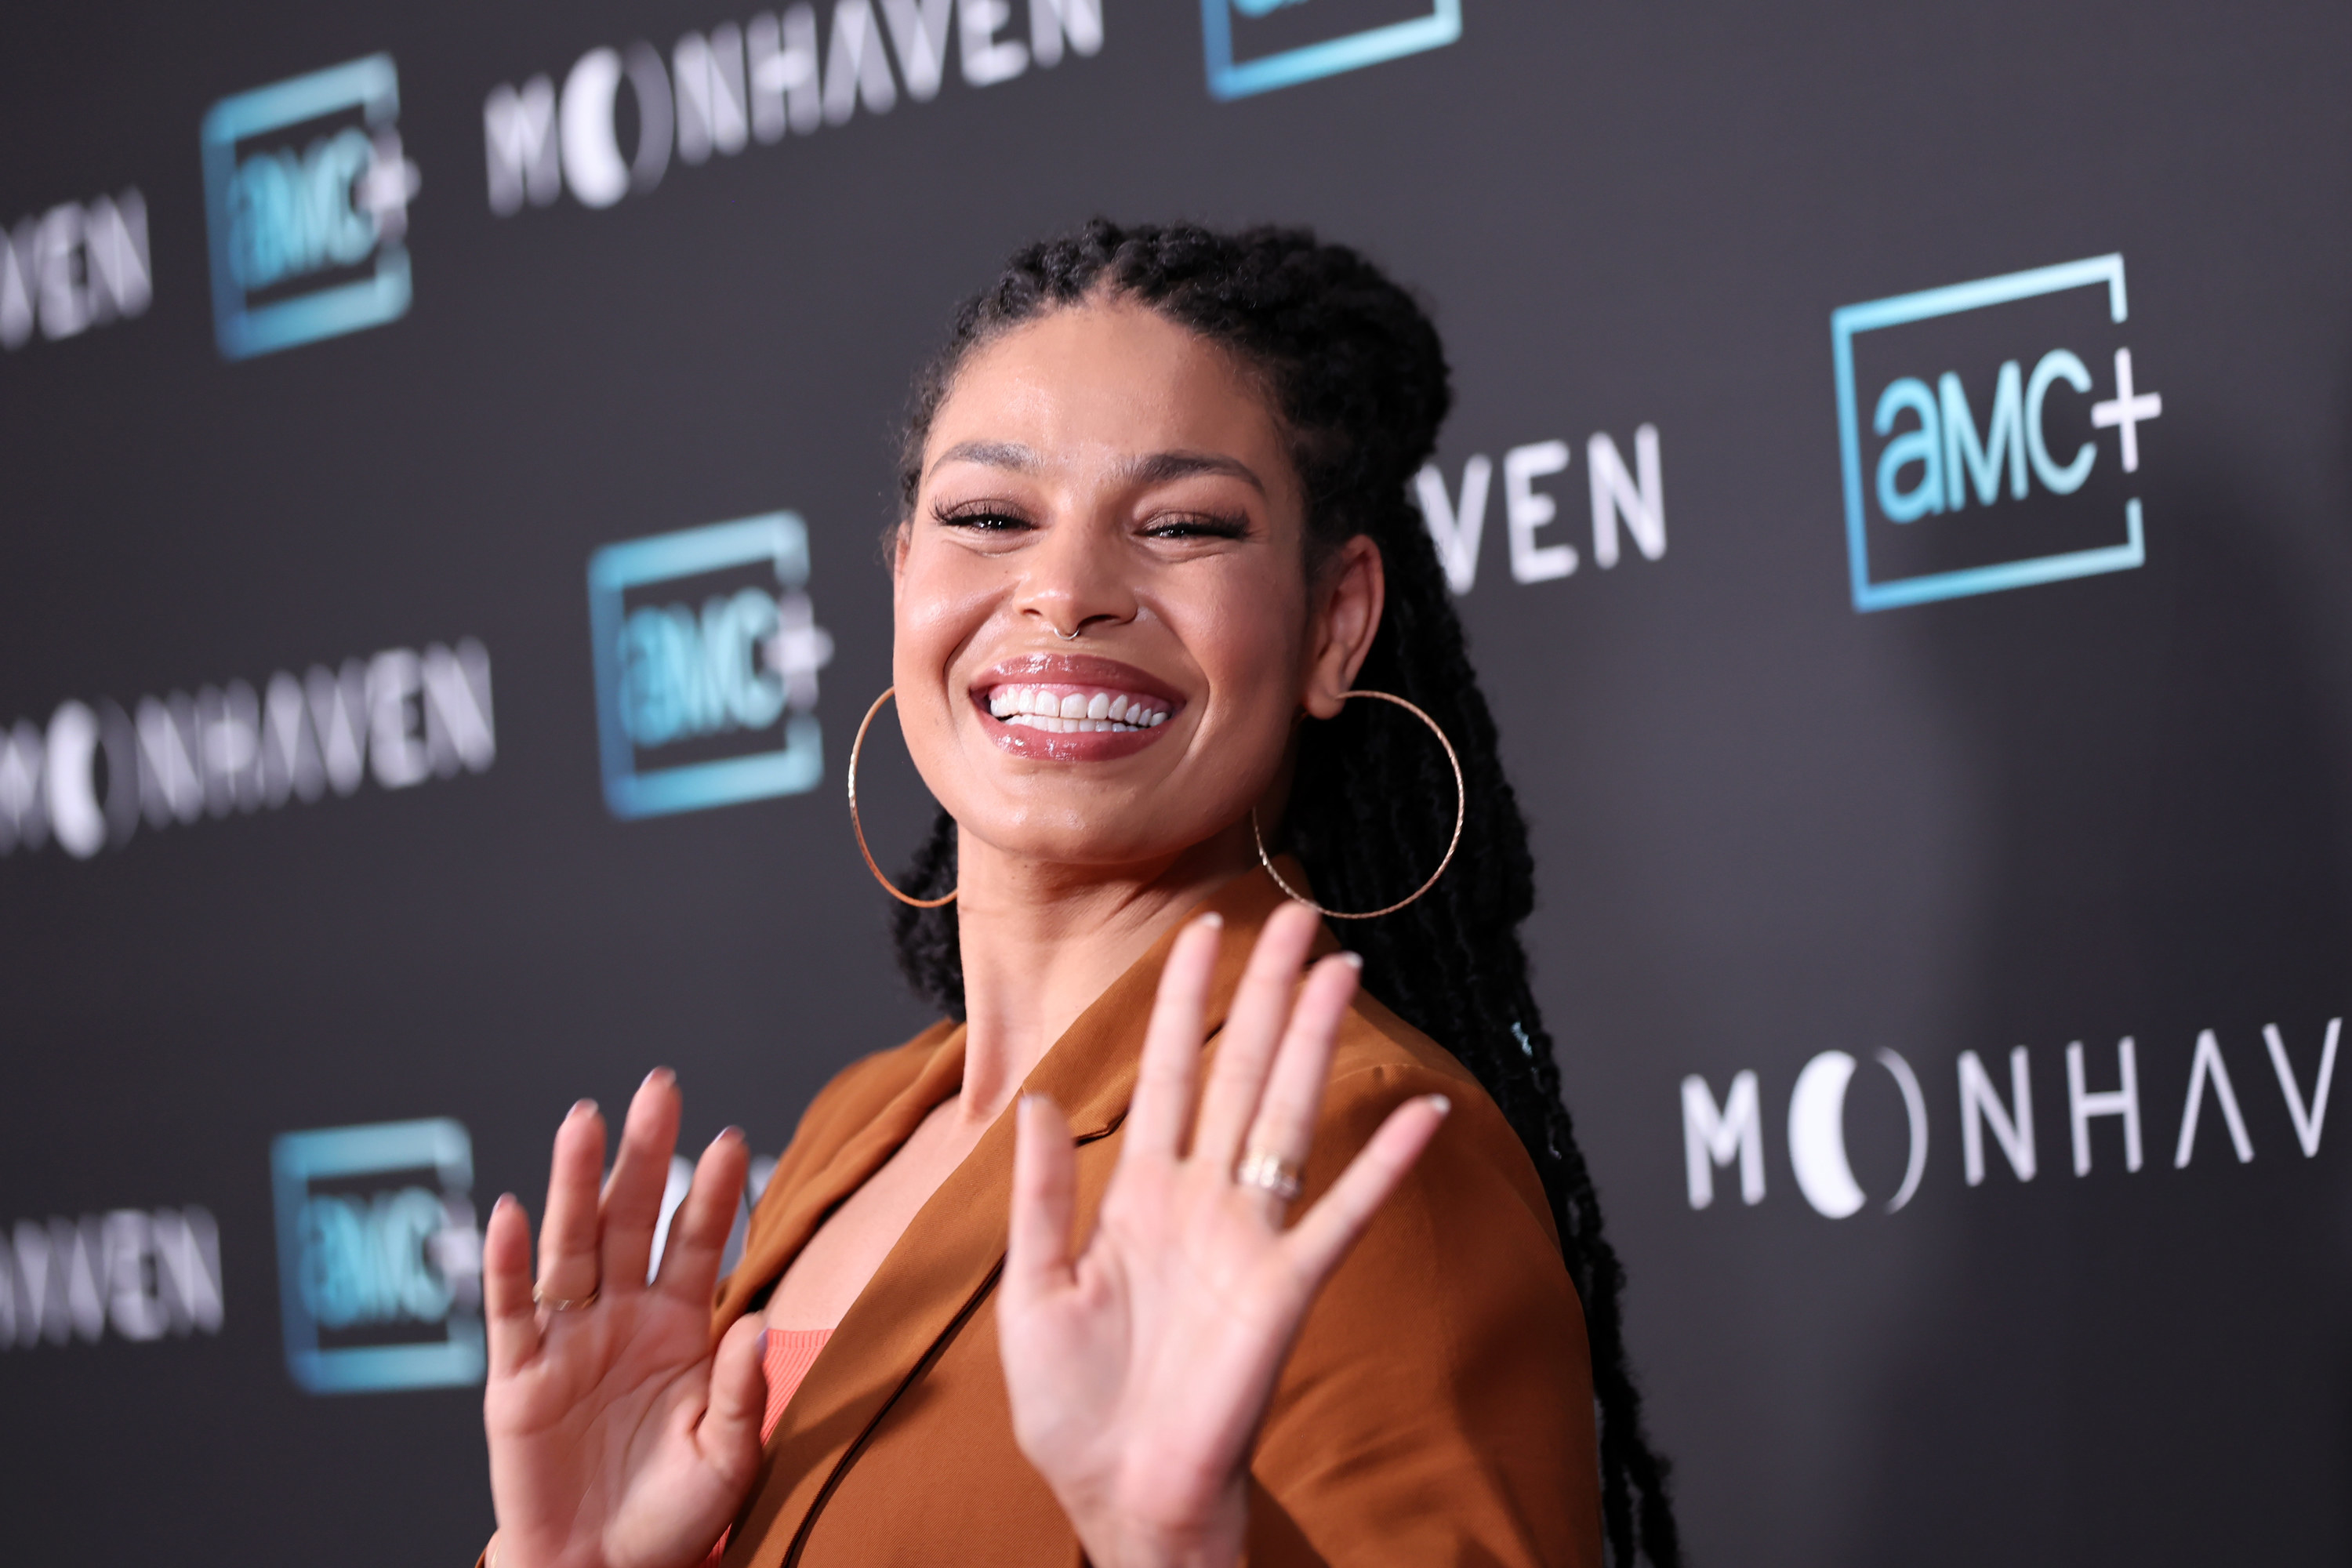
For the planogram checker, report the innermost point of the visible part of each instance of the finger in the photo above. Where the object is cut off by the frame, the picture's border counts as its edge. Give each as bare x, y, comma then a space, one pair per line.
698, 1233
1162, 1105
510, 1317
1245, 1045
1325, 1233
730, 1430
567, 1241
1044, 1197
632, 1194
1285, 1126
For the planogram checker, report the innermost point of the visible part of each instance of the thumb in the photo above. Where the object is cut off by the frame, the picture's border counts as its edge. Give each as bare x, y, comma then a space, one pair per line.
729, 1436
1044, 1197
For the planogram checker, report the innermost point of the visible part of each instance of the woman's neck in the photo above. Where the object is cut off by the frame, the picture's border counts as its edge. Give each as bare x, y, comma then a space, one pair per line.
1041, 942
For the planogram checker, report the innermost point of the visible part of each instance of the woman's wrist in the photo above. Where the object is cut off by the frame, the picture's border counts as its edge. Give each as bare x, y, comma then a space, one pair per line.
1116, 1537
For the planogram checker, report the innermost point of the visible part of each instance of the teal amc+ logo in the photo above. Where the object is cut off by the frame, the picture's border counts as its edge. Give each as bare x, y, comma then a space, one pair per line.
305, 201
1973, 428
379, 1258
1257, 45
707, 653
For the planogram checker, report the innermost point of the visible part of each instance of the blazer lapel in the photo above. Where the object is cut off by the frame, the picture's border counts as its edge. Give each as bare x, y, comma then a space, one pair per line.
774, 1241
945, 1264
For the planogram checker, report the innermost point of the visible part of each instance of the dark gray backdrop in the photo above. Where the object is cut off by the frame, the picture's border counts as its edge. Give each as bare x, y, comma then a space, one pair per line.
1768, 827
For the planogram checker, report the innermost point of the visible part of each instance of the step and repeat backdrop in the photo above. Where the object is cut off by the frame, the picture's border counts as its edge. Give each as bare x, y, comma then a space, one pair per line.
1898, 499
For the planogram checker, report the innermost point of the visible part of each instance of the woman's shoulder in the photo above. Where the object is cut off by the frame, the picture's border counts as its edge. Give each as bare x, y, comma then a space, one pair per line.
1378, 1062
853, 1097
887, 1071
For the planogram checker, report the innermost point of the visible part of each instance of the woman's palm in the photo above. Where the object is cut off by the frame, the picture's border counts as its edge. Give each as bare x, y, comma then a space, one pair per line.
618, 1438
1138, 1369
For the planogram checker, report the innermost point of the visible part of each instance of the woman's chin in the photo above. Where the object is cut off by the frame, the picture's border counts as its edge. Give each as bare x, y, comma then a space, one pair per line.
1094, 842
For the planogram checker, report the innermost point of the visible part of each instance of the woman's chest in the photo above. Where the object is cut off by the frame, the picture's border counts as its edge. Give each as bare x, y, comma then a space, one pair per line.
818, 1286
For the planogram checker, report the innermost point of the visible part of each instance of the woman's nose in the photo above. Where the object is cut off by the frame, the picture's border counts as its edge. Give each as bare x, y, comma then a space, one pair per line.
1077, 582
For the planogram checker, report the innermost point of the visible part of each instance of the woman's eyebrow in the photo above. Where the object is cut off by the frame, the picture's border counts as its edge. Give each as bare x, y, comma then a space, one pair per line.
1161, 466
991, 454
1158, 467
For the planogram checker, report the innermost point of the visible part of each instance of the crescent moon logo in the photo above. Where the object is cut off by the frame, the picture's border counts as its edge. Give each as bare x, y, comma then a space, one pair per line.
592, 153
75, 816
591, 159
1915, 1106
1817, 1133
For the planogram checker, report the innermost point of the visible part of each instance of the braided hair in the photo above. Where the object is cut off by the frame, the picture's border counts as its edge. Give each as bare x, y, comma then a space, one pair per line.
1358, 377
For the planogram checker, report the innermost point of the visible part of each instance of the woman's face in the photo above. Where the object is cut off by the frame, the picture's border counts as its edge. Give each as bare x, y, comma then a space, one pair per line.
1104, 472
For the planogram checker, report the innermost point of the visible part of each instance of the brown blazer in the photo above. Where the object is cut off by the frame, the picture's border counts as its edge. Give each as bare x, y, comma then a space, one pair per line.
1437, 1408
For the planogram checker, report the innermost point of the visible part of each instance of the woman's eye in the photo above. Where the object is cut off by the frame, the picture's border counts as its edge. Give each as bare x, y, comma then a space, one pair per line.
984, 521
1197, 528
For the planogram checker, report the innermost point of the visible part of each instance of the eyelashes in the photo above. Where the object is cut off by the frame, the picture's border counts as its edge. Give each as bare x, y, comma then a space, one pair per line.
983, 517
1200, 526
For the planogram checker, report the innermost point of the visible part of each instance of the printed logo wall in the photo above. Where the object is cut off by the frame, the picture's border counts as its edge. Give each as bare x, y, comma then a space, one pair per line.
2022, 429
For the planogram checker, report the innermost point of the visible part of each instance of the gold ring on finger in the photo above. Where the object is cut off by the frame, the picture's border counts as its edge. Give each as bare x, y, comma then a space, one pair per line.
563, 1303
1270, 1172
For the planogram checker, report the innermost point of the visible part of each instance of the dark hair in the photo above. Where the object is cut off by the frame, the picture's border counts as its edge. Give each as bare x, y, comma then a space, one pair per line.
1355, 372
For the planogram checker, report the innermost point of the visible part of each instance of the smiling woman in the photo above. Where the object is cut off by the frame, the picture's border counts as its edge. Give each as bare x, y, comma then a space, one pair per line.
1017, 1291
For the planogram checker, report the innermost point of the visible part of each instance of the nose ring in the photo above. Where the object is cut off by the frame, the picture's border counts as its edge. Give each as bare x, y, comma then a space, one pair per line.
1066, 636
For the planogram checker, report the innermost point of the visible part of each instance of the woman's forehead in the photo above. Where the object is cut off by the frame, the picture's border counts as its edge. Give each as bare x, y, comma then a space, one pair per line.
1110, 381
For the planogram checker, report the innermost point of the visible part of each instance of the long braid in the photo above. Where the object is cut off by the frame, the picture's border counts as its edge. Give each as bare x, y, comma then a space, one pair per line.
1359, 378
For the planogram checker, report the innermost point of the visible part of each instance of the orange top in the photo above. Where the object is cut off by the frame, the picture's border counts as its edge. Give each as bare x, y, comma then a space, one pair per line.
786, 1355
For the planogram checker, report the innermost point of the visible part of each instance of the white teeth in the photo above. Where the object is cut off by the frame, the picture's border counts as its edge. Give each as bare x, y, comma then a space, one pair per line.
1072, 712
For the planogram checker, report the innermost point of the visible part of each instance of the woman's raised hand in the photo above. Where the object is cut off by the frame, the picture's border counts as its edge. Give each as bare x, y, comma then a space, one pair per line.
618, 1438
1140, 1367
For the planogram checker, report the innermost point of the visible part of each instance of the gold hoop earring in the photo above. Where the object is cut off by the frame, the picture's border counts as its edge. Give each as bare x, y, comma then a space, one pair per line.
1461, 809
859, 828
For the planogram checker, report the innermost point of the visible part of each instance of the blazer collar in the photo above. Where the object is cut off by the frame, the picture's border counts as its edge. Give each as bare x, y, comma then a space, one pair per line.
946, 1264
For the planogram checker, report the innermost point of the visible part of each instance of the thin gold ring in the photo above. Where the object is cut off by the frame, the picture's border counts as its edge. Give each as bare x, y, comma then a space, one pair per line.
564, 1303
858, 827
1461, 810
1270, 1172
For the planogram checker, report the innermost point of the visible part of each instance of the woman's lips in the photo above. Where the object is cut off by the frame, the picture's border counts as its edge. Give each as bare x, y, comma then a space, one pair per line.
1073, 707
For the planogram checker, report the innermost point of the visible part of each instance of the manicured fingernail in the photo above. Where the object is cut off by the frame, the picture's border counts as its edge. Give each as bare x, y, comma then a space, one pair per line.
582, 1108
1212, 922
727, 1132
1352, 960
1440, 1104
506, 1201
659, 1076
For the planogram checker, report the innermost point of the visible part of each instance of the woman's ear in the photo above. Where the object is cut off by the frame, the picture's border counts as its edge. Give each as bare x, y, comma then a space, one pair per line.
1347, 618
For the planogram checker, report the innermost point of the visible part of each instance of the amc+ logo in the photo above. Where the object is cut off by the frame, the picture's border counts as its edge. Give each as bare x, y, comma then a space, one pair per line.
1257, 45
1972, 423
306, 198
379, 1259
707, 654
